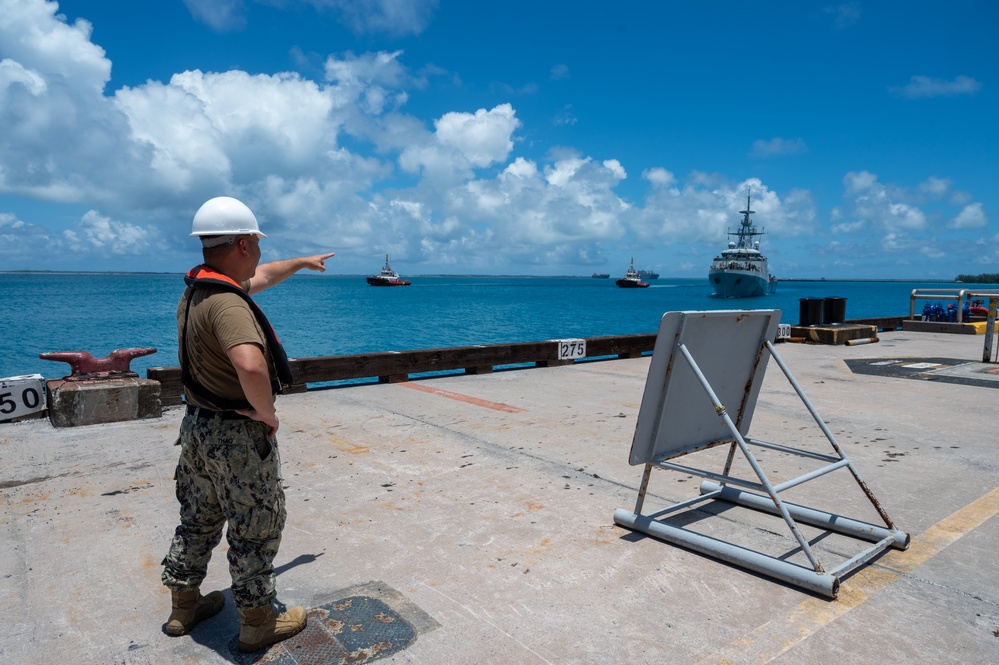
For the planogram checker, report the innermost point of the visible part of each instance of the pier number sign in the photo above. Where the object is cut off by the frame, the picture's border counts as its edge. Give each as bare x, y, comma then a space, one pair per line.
21, 395
570, 349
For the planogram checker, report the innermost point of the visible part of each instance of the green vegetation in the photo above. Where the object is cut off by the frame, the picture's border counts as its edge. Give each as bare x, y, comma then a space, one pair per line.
984, 278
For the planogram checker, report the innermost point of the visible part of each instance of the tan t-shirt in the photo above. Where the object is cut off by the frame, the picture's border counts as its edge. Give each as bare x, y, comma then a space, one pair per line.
219, 320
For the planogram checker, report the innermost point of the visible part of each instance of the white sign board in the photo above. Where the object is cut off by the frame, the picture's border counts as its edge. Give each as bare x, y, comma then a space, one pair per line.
571, 349
21, 395
676, 416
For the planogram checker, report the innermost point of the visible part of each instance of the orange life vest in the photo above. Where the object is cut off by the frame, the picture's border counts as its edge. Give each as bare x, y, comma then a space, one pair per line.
203, 276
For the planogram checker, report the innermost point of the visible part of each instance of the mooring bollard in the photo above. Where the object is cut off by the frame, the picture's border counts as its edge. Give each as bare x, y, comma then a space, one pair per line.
101, 390
85, 366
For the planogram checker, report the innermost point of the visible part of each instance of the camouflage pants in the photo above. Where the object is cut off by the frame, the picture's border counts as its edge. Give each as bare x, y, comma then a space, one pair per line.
229, 473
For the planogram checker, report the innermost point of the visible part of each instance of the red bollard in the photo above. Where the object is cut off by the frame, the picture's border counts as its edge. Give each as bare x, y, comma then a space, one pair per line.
86, 367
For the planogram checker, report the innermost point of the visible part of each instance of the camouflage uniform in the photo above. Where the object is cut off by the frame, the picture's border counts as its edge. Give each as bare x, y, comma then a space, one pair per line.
229, 471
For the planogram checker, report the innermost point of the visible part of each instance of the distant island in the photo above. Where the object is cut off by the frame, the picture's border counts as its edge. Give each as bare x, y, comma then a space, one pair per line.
984, 278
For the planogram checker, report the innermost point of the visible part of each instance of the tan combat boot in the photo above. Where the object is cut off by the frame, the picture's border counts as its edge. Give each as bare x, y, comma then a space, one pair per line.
190, 608
260, 627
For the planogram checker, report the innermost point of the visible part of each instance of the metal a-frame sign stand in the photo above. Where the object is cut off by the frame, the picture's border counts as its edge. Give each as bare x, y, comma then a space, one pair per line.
705, 364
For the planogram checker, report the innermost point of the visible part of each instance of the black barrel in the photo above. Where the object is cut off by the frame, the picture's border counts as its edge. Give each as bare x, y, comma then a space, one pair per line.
833, 310
809, 311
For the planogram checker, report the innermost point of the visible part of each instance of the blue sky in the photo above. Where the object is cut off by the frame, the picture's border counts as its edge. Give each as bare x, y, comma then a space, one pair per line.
526, 138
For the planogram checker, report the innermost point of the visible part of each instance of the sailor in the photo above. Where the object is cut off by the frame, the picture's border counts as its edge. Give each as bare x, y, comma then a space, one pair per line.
229, 473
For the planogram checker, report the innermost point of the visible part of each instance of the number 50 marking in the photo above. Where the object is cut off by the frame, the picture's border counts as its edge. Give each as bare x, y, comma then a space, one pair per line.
21, 397
29, 398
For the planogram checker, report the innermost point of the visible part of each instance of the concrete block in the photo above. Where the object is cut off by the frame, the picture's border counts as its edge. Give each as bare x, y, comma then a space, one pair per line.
75, 403
834, 334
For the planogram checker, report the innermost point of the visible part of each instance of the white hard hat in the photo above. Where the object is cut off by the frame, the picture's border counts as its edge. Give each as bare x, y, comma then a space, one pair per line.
224, 215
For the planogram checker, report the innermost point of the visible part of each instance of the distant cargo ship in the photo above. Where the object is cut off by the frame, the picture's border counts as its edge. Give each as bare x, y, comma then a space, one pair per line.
648, 274
601, 275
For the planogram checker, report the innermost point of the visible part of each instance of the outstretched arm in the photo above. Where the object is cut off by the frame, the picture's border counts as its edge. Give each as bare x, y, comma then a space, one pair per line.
275, 272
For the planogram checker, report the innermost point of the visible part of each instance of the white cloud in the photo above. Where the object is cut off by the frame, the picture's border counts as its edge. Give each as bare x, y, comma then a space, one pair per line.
461, 142
615, 168
565, 117
184, 146
13, 73
560, 71
202, 134
53, 113
873, 203
936, 187
904, 216
219, 15
94, 236
929, 250
13, 229
925, 86
483, 138
521, 168
352, 74
971, 217
42, 42
659, 177
281, 116
554, 209
893, 242
392, 17
859, 181
368, 93
21, 243
703, 209
97, 234
845, 14
847, 228
960, 198
778, 146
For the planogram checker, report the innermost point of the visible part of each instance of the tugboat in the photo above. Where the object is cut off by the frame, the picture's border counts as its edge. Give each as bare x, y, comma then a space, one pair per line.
632, 280
387, 277
741, 271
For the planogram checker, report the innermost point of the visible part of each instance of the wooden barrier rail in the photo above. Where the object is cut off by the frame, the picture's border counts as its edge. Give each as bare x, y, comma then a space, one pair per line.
395, 366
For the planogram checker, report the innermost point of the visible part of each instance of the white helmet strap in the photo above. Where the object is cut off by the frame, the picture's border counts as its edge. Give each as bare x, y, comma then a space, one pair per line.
215, 241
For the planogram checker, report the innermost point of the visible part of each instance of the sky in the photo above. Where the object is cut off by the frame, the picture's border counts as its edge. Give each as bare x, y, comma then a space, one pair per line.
540, 137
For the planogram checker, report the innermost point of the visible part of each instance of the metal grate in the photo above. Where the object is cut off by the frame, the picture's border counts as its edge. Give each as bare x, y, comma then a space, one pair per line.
358, 629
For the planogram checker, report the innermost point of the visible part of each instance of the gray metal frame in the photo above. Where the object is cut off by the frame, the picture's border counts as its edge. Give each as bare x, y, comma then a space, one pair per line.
990, 325
703, 360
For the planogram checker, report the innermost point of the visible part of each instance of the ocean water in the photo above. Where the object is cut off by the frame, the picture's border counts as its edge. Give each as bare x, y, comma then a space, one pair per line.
322, 315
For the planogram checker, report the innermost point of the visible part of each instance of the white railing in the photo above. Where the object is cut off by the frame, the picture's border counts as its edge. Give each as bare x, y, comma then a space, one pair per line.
959, 296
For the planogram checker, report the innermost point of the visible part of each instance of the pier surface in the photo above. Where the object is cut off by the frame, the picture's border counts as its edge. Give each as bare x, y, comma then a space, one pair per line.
477, 512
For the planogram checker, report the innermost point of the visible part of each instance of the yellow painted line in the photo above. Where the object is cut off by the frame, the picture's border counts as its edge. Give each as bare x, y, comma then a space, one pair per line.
775, 637
468, 399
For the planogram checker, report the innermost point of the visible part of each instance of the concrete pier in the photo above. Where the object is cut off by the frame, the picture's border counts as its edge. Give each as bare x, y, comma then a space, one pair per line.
476, 511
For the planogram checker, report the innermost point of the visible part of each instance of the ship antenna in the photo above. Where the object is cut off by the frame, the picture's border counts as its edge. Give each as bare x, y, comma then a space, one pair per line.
747, 212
